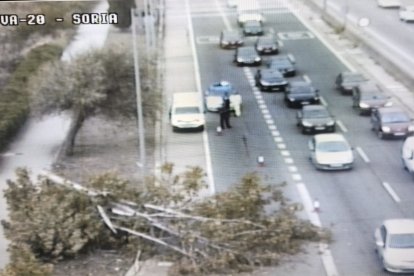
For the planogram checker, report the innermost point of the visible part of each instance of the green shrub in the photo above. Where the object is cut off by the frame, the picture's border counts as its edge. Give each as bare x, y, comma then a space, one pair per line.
14, 106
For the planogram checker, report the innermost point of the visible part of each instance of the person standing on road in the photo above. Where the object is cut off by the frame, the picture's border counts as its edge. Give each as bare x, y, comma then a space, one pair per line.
225, 112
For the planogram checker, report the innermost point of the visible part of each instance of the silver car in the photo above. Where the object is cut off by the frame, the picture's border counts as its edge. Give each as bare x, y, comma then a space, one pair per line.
331, 152
394, 241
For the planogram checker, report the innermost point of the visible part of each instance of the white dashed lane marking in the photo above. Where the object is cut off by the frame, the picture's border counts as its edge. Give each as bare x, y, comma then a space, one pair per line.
323, 102
281, 146
363, 155
391, 191
285, 153
341, 126
289, 161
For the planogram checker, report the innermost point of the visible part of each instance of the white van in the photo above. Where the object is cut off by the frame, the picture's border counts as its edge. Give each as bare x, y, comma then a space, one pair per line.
186, 111
249, 10
407, 154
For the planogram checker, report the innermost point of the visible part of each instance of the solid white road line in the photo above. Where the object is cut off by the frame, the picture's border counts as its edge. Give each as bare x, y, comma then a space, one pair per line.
326, 256
363, 154
341, 126
321, 38
391, 191
209, 168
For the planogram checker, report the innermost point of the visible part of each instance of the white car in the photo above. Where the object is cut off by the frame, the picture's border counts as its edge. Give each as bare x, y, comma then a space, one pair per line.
232, 3
407, 13
389, 3
215, 94
186, 111
331, 152
394, 241
407, 154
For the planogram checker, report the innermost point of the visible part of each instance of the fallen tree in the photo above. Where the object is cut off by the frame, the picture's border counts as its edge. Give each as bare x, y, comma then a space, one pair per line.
250, 225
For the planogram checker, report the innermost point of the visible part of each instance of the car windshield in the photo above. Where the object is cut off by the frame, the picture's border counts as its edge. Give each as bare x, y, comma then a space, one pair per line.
252, 24
332, 146
266, 41
280, 63
272, 78
395, 117
316, 113
219, 90
301, 89
373, 96
231, 36
354, 78
247, 51
401, 241
187, 110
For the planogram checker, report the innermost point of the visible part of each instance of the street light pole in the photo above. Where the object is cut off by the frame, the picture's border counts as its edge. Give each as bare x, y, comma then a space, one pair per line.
141, 133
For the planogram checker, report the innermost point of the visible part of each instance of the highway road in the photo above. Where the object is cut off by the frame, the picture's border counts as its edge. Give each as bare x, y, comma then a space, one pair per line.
354, 202
385, 27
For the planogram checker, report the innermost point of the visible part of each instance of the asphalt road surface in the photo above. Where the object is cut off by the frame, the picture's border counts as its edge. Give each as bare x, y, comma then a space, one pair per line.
354, 202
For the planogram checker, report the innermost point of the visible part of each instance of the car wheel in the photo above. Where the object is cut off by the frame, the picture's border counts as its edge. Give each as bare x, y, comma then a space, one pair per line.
380, 134
303, 130
404, 166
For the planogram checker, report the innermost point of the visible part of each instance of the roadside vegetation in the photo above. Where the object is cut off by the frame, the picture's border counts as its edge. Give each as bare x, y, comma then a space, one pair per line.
14, 106
25, 49
253, 224
96, 83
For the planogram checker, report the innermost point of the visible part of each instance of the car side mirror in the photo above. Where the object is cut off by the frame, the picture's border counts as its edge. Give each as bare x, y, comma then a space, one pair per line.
379, 243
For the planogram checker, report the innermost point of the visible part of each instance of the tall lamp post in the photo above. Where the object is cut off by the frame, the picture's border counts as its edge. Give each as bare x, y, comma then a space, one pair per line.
141, 134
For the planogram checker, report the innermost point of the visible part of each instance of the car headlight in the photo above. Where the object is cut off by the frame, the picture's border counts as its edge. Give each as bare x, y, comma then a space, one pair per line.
264, 82
224, 42
239, 60
348, 87
291, 99
306, 124
385, 129
259, 48
363, 105
257, 59
330, 123
388, 104
411, 128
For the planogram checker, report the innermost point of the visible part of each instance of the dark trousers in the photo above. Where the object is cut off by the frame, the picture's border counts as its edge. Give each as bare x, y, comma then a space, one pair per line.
225, 119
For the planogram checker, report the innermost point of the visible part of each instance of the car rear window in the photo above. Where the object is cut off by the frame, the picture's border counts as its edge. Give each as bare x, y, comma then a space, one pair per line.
401, 241
187, 110
332, 146
395, 117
